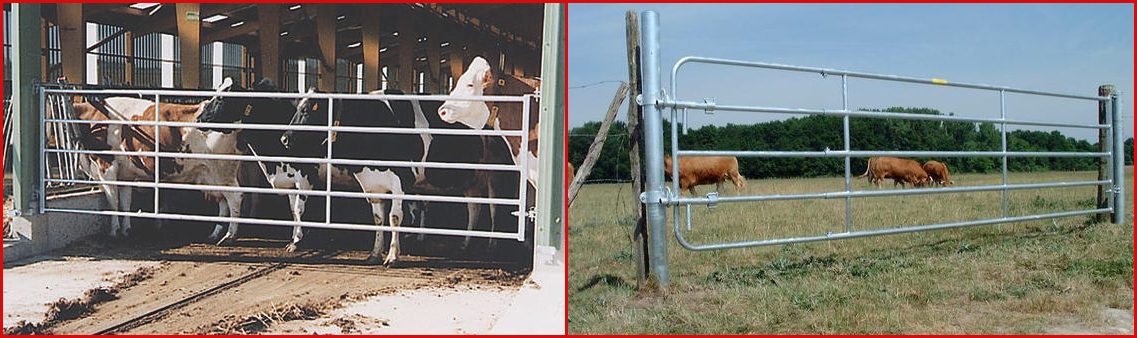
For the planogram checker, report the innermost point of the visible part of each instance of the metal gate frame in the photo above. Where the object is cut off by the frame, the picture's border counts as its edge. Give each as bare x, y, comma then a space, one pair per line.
657, 196
49, 124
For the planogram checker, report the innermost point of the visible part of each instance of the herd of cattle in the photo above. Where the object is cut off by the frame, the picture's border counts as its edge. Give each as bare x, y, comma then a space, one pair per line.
694, 171
396, 151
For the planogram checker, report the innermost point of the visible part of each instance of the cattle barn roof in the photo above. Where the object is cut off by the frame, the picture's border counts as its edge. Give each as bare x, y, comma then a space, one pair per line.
517, 25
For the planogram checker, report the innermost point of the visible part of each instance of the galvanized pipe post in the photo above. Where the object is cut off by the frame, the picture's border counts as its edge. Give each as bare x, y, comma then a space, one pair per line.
1118, 159
26, 163
655, 194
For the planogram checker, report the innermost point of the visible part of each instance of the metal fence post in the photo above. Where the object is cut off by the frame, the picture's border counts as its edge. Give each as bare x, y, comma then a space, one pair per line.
1118, 159
653, 150
26, 113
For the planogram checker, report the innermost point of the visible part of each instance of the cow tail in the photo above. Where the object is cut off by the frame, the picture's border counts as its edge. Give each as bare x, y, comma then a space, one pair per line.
868, 167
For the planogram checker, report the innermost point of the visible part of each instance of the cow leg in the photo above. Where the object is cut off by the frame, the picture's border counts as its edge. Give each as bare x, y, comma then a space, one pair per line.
112, 198
419, 210
493, 217
124, 200
296, 202
378, 214
233, 202
473, 210
396, 217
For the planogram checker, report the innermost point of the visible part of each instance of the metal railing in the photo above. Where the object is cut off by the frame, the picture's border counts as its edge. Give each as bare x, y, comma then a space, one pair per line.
657, 197
60, 114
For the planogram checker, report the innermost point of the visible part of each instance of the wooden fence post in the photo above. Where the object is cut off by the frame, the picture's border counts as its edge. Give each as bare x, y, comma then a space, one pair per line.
1102, 198
635, 132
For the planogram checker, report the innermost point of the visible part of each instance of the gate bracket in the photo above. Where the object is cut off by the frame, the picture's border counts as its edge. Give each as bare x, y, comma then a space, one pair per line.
714, 197
656, 197
710, 102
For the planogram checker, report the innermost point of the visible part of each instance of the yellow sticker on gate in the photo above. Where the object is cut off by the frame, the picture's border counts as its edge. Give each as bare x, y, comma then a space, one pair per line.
939, 81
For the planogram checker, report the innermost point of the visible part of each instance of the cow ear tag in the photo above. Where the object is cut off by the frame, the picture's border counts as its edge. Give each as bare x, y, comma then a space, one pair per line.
315, 106
248, 109
501, 82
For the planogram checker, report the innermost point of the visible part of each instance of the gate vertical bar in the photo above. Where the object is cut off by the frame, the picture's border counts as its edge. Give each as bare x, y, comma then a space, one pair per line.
1003, 115
848, 173
653, 149
523, 183
328, 167
1118, 159
157, 149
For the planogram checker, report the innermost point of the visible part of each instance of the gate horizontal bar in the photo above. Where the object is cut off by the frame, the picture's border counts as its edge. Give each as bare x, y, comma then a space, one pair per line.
877, 232
869, 114
204, 93
250, 158
277, 222
885, 77
871, 153
346, 129
350, 194
878, 193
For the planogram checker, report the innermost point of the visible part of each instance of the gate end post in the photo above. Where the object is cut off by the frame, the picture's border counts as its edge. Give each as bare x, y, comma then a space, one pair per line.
1118, 159
1103, 169
653, 150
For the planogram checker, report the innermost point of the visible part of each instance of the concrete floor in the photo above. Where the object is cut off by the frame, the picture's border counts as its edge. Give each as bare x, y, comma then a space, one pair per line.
31, 284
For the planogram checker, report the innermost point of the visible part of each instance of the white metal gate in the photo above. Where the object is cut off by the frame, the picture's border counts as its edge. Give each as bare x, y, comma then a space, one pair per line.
57, 117
655, 101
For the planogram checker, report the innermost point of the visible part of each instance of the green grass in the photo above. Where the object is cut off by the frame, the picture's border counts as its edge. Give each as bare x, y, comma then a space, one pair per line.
1006, 278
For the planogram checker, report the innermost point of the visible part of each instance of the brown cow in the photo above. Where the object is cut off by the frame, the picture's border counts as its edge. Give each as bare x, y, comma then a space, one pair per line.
706, 170
901, 171
569, 174
102, 136
939, 173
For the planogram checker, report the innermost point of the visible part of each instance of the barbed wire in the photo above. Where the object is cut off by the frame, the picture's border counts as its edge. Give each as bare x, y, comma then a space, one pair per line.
594, 84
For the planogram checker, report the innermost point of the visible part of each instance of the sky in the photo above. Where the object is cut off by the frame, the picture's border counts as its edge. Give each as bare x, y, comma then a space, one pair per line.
1065, 48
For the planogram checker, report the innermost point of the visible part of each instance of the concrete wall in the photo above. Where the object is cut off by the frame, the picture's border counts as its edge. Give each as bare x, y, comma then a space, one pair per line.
38, 234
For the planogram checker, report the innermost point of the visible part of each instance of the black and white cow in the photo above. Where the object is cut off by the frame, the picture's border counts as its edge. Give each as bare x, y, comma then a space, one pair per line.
260, 142
381, 179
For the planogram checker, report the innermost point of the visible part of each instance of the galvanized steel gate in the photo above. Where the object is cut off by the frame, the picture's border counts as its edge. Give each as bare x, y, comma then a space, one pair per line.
64, 152
655, 101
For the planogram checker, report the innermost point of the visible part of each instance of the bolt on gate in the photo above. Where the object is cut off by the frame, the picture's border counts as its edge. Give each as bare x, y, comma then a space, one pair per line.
658, 197
55, 103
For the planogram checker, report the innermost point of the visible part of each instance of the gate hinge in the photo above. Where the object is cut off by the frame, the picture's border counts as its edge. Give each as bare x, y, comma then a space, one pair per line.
531, 214
714, 203
656, 197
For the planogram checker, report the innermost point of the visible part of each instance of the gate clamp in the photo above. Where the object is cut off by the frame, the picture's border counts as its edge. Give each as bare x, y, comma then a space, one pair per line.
710, 102
714, 203
531, 214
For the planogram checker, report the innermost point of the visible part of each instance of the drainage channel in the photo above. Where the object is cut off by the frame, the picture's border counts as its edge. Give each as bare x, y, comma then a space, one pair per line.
160, 312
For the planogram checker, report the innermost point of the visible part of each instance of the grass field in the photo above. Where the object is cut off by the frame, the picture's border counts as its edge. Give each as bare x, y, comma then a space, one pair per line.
1018, 278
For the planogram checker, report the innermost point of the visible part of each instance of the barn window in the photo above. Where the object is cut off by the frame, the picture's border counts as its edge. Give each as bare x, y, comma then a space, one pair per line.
383, 79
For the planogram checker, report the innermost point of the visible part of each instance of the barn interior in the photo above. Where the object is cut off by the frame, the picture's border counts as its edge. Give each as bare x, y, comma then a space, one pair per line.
341, 48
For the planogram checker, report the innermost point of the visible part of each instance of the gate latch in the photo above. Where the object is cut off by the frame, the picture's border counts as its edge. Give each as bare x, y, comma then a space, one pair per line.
714, 203
710, 102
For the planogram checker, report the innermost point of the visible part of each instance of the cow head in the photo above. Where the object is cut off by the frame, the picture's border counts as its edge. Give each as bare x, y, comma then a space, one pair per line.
221, 109
472, 83
305, 109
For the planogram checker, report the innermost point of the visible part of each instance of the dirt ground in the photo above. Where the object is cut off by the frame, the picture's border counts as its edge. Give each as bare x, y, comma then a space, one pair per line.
307, 284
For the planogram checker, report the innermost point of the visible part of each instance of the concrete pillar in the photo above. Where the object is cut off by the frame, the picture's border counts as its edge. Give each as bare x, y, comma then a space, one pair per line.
268, 17
433, 58
326, 32
407, 42
189, 42
25, 112
371, 35
72, 41
458, 57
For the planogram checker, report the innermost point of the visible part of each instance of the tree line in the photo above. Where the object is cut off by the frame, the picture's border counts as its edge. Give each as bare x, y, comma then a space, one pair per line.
817, 133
